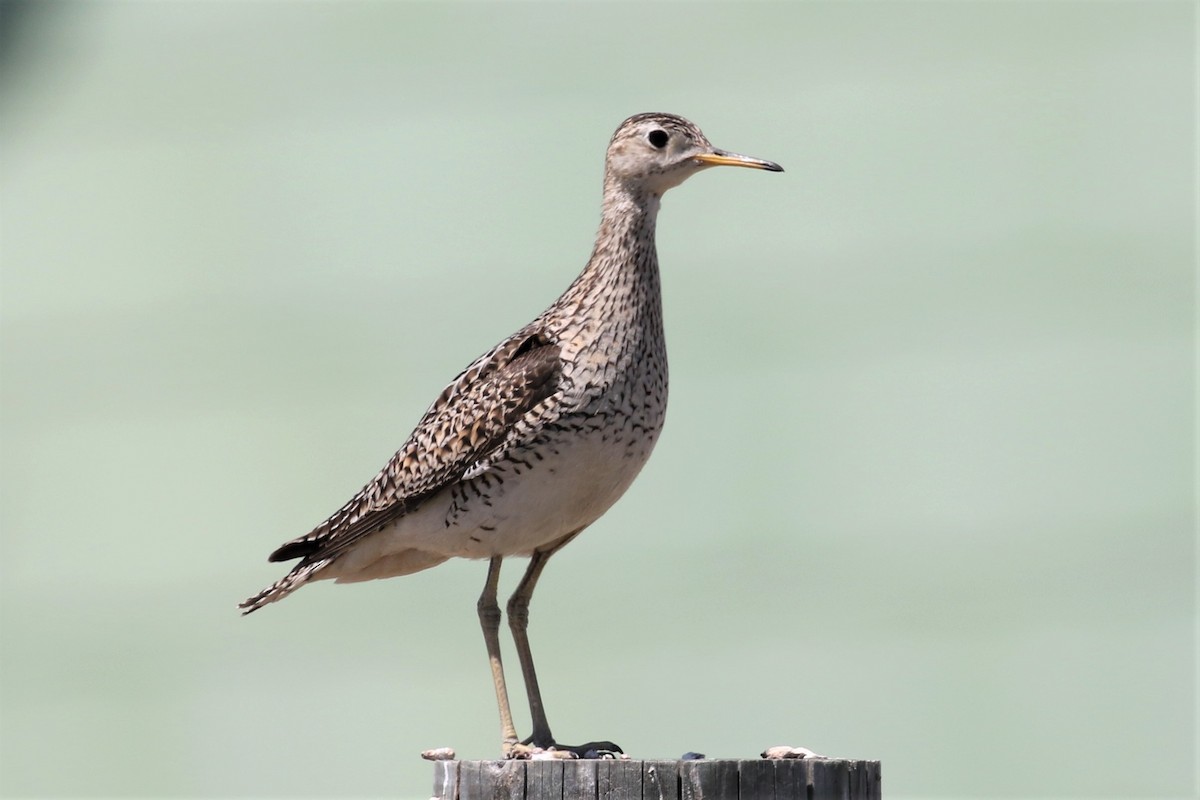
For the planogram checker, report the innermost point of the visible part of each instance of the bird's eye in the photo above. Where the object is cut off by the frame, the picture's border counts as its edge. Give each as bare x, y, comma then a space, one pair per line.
658, 138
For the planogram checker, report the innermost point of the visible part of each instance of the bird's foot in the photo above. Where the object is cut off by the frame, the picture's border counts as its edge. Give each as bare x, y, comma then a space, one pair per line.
529, 751
545, 749
786, 751
602, 749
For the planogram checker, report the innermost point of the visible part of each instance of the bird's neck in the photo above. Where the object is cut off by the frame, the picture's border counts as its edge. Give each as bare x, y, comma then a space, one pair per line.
612, 313
624, 262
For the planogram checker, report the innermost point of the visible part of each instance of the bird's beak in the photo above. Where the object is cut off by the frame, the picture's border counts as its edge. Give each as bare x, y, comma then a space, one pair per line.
721, 158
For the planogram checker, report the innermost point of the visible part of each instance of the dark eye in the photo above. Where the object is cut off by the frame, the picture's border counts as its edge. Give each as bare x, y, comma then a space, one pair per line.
658, 138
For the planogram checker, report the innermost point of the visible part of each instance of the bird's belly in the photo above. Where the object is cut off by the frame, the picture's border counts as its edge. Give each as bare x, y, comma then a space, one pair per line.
539, 495
532, 498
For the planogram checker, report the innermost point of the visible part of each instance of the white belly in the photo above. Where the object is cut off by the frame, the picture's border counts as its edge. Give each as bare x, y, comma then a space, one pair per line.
510, 510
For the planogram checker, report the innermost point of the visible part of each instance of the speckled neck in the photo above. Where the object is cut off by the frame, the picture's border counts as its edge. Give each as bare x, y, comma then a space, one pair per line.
621, 277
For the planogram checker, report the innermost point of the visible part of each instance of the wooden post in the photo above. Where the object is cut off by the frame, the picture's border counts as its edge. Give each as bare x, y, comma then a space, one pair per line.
715, 779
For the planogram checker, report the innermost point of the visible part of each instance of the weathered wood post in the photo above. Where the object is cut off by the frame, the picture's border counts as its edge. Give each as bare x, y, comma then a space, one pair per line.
708, 779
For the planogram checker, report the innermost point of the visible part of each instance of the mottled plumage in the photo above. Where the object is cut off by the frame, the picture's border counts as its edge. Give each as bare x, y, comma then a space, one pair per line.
535, 440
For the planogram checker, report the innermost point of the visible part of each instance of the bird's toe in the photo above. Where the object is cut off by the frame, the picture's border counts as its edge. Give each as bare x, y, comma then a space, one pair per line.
533, 752
601, 749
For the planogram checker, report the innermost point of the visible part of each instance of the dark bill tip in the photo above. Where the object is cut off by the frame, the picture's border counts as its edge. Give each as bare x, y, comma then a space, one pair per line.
722, 158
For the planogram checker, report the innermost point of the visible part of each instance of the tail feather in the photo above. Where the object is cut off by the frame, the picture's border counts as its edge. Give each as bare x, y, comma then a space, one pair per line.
289, 583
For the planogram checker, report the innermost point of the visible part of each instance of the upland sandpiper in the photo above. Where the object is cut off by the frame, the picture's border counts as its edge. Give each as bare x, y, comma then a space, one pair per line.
535, 439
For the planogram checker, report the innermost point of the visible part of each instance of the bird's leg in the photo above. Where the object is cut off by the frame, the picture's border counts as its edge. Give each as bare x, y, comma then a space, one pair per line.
489, 620
518, 621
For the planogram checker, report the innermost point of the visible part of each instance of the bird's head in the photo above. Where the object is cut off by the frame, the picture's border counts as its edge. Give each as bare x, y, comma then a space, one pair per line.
655, 152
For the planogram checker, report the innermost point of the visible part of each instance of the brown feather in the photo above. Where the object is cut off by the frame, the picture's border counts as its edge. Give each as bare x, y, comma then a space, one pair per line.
472, 419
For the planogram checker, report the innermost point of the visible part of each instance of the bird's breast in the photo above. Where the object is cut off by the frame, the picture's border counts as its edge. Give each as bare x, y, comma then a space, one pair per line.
610, 408
559, 483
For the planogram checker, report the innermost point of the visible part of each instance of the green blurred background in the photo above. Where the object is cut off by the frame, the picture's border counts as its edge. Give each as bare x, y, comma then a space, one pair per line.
926, 490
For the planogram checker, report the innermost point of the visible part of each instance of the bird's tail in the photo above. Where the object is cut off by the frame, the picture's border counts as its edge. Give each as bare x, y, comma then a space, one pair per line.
289, 583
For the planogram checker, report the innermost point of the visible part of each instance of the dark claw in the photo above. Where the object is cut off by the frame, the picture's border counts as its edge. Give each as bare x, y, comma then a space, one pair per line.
545, 744
597, 750
600, 749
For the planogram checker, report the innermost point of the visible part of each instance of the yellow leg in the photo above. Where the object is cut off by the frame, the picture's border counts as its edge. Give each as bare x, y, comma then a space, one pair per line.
489, 620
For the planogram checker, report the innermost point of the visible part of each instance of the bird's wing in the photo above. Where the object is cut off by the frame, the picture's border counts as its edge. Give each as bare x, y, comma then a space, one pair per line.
475, 419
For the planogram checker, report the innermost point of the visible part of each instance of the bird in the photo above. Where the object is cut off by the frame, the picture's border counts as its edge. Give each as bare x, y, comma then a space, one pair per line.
539, 436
